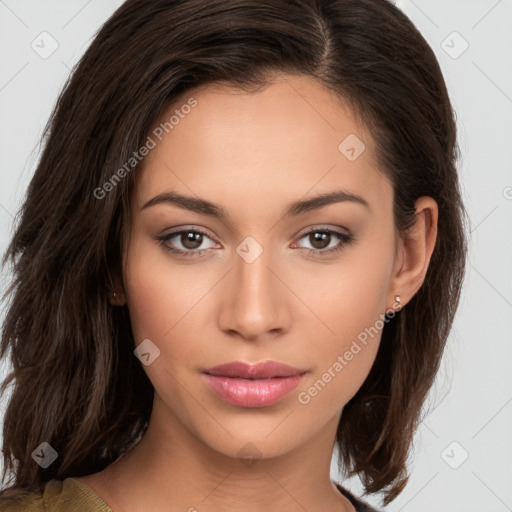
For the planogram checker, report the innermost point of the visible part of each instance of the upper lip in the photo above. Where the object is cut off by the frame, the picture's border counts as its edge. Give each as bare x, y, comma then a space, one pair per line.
261, 370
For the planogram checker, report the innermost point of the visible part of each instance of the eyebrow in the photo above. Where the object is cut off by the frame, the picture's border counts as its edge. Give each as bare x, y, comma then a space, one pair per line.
294, 209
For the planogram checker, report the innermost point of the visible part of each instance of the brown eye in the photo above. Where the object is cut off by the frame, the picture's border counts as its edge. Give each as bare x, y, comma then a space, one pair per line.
186, 242
320, 239
191, 239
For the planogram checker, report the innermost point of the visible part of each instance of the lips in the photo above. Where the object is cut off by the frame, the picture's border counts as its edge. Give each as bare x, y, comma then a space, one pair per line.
256, 385
263, 370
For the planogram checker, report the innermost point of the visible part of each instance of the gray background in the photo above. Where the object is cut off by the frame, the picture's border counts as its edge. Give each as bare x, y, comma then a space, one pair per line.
462, 456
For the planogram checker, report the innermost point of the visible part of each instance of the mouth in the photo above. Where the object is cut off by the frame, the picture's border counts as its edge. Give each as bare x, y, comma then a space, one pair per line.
256, 385
261, 370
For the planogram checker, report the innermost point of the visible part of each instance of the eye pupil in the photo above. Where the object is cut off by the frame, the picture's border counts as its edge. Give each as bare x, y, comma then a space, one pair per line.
192, 237
320, 236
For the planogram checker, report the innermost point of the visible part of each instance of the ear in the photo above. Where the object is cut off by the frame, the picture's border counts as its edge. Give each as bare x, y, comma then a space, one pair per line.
415, 249
118, 287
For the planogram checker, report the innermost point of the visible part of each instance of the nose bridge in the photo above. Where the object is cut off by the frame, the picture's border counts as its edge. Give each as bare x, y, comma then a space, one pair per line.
255, 302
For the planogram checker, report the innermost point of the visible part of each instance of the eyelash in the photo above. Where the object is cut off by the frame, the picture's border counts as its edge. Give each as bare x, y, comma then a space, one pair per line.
345, 239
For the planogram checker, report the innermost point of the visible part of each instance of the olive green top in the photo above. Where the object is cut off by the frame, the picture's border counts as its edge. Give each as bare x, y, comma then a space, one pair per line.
71, 495
68, 495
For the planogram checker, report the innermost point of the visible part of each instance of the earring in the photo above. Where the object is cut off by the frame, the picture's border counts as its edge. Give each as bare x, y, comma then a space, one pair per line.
115, 295
399, 300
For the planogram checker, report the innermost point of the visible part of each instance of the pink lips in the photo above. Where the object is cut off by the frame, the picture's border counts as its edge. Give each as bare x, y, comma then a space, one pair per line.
256, 385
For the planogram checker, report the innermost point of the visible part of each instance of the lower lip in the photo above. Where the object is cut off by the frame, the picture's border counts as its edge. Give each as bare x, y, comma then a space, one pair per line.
252, 393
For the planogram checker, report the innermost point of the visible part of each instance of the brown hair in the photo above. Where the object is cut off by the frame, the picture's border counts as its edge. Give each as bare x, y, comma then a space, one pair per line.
77, 384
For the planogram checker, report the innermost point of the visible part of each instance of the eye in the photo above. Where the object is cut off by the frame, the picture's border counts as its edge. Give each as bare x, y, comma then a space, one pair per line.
320, 239
189, 239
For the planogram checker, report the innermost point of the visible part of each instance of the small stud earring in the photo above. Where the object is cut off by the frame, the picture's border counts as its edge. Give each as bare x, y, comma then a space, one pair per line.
399, 300
115, 295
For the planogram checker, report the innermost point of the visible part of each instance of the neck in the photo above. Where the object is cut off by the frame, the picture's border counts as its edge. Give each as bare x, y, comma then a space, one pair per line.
182, 473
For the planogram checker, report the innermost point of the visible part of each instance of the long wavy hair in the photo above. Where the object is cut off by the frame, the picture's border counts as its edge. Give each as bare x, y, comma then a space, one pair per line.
76, 383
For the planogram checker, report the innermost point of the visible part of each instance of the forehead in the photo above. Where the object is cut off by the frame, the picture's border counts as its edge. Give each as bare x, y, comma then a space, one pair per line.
275, 144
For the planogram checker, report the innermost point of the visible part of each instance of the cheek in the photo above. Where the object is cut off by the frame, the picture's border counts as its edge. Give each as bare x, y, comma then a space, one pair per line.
348, 299
147, 301
159, 294
164, 301
343, 361
158, 310
353, 307
362, 283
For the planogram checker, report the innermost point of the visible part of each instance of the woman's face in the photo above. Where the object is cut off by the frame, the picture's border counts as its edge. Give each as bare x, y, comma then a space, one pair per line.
258, 281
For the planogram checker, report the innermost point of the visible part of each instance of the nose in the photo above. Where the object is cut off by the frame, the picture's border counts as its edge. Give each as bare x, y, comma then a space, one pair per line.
255, 301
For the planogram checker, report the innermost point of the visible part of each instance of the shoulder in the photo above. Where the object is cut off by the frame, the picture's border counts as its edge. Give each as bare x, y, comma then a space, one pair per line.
56, 496
358, 503
14, 500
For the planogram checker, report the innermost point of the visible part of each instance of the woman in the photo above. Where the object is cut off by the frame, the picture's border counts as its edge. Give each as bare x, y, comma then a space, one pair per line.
235, 202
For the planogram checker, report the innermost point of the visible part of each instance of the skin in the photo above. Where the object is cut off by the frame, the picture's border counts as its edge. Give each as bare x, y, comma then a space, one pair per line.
253, 154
